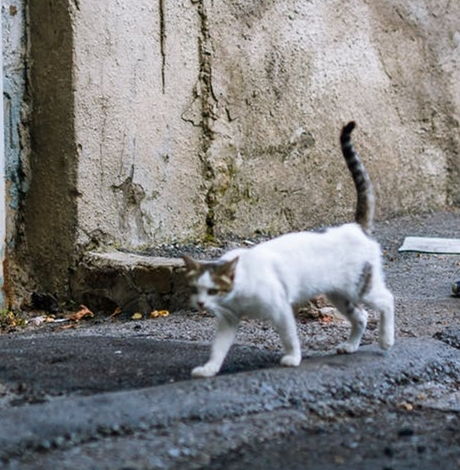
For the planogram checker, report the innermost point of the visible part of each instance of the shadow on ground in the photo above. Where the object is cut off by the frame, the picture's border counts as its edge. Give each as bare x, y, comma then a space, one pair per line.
89, 365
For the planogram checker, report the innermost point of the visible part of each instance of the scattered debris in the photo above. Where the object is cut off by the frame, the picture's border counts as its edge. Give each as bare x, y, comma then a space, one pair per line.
159, 313
40, 319
456, 289
406, 406
320, 309
82, 313
137, 316
68, 327
326, 319
9, 319
115, 313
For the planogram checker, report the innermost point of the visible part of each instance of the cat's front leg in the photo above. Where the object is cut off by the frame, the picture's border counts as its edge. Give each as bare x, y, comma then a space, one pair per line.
285, 324
226, 330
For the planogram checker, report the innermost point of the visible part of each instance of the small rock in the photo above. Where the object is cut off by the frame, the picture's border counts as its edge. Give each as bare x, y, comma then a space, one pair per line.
44, 445
388, 451
405, 432
174, 452
59, 441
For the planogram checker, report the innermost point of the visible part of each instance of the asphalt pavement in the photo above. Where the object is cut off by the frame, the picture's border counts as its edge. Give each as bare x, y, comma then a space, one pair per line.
119, 395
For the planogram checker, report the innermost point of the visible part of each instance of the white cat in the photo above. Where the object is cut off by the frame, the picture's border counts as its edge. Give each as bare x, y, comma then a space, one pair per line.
265, 281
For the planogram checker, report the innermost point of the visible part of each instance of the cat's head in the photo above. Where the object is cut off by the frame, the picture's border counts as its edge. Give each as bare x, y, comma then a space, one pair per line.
209, 282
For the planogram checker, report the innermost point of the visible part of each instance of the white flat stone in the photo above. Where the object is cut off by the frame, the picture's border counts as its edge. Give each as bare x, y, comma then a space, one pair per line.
431, 245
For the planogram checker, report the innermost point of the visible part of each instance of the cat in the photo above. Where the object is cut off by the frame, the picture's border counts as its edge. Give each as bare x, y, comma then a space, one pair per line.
266, 280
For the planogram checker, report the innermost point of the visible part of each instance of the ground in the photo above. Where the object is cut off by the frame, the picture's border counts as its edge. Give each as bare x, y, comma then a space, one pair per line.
116, 393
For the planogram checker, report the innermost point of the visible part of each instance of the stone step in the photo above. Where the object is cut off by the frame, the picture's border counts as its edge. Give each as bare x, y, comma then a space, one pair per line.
135, 283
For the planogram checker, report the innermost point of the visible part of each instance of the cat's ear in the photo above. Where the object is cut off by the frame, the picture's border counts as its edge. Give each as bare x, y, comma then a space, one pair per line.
192, 266
227, 269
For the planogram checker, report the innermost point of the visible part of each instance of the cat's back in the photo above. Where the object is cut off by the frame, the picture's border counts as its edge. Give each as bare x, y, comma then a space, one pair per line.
343, 244
343, 234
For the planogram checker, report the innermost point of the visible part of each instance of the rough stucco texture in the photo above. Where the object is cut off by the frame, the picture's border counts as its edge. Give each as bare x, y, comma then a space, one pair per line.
136, 74
287, 75
198, 118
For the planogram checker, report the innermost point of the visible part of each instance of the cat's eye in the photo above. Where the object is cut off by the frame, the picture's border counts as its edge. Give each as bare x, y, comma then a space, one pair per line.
213, 291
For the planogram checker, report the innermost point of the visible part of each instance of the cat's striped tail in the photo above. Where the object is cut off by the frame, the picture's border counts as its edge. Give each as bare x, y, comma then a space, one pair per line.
365, 205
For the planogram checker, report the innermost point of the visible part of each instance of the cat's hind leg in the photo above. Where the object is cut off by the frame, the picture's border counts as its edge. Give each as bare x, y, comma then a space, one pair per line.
284, 322
358, 319
381, 299
226, 331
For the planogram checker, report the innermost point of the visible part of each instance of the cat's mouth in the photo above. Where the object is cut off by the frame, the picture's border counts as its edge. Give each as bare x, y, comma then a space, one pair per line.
201, 307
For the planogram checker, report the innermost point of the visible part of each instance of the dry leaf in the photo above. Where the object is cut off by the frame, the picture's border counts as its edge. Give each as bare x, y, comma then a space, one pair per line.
116, 312
67, 327
137, 316
326, 319
82, 313
406, 406
8, 319
159, 313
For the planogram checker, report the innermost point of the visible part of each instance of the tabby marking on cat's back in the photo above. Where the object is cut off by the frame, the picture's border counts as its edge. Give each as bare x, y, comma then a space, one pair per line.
365, 279
265, 281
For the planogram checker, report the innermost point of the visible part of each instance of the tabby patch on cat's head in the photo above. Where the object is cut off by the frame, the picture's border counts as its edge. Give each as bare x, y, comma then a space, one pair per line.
220, 273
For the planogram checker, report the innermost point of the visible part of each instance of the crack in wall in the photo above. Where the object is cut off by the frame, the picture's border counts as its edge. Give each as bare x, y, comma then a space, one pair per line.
161, 7
208, 115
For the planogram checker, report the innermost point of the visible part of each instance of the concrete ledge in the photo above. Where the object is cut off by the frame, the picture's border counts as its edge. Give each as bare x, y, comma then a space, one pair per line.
136, 283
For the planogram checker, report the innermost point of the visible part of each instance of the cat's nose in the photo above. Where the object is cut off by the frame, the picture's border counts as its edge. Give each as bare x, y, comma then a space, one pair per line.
200, 305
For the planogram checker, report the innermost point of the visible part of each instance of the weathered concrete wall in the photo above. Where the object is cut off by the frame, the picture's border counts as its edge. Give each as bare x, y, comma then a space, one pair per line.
211, 117
286, 75
136, 76
50, 205
164, 121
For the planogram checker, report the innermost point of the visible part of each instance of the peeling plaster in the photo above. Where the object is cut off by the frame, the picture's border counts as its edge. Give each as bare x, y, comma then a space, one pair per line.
2, 195
16, 115
15, 109
131, 195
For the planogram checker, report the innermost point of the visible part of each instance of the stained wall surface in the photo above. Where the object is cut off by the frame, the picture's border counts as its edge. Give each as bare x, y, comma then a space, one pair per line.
136, 75
220, 118
287, 75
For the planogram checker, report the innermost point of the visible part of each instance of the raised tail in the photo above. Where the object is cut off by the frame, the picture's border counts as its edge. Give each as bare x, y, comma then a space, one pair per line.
365, 205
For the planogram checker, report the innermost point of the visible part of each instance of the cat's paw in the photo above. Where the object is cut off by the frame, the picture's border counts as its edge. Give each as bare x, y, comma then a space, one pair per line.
208, 370
290, 360
347, 347
386, 342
